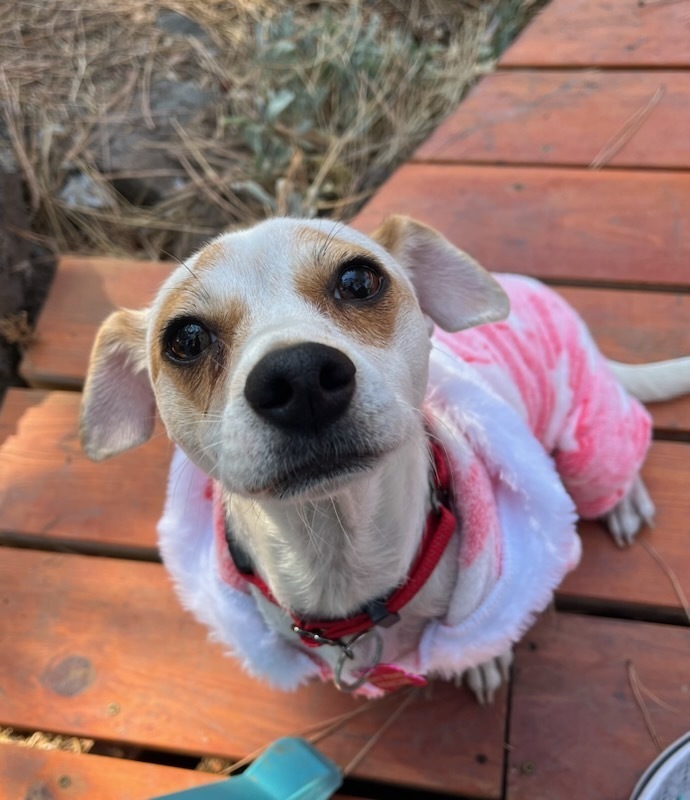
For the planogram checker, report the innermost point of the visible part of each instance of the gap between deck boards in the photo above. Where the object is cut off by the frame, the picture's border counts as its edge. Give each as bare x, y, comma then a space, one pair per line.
537, 166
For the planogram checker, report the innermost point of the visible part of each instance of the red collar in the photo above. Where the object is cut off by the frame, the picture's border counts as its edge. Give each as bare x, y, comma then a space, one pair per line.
440, 525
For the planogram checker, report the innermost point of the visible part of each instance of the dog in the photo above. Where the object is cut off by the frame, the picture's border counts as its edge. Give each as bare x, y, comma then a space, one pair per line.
359, 492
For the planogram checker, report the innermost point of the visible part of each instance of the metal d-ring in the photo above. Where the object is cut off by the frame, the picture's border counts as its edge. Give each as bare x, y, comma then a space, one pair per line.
346, 653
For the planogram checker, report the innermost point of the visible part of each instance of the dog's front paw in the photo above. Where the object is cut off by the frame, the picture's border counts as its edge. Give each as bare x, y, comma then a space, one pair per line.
485, 679
631, 513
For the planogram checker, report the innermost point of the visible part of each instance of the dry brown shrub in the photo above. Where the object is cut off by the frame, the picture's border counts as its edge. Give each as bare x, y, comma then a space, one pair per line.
312, 105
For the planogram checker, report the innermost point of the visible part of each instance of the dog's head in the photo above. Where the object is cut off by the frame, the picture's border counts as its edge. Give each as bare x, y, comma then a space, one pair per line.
288, 357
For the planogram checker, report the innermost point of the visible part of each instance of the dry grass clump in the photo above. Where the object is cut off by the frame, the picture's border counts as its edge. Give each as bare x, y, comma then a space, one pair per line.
15, 329
174, 129
46, 741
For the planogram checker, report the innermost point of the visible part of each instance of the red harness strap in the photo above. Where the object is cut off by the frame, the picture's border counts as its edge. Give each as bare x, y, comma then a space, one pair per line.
440, 525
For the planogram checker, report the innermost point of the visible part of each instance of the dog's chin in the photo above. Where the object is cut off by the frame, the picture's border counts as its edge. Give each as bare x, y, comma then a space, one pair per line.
315, 478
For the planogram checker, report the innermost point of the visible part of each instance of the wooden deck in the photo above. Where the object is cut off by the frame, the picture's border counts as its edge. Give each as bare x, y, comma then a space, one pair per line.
93, 642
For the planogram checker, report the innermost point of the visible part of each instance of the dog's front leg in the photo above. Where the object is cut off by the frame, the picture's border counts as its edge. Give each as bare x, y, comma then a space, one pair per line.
485, 679
627, 517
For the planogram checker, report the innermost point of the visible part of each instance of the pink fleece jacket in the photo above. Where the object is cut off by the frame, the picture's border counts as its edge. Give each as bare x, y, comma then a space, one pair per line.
525, 409
542, 360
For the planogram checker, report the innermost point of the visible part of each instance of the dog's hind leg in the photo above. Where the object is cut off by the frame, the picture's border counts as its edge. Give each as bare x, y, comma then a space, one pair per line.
485, 679
630, 514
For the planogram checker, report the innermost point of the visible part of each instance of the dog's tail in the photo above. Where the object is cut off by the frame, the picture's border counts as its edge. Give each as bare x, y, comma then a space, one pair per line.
659, 380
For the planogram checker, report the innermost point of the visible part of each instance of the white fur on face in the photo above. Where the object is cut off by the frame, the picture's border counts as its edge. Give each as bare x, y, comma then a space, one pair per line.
260, 271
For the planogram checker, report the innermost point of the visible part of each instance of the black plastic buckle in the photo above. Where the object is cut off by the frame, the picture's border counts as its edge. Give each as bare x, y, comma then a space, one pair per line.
380, 615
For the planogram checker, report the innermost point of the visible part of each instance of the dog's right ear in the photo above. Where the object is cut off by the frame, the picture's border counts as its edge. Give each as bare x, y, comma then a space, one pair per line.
118, 406
453, 290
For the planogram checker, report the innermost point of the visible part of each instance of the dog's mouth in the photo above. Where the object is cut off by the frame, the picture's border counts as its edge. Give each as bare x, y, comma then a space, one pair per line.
315, 476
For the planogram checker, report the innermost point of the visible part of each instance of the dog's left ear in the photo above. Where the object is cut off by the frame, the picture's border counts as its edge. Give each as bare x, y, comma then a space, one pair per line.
451, 287
118, 409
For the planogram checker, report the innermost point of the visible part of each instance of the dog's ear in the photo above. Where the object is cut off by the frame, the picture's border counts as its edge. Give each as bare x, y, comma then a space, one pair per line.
451, 287
118, 407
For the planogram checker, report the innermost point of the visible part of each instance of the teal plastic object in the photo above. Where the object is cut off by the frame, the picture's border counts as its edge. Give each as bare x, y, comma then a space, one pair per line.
290, 769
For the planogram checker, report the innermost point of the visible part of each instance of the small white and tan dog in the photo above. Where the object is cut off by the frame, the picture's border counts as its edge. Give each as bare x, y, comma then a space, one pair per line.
290, 363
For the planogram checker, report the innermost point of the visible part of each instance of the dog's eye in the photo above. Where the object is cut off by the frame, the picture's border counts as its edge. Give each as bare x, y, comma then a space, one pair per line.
187, 340
358, 282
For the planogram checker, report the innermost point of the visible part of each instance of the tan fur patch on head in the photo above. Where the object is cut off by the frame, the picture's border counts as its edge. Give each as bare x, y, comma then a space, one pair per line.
209, 256
199, 379
372, 322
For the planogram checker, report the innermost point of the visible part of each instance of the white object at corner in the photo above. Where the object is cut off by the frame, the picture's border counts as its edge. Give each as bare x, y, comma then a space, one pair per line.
668, 777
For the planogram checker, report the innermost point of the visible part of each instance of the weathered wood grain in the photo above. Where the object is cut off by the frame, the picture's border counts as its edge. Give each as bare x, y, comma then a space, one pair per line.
614, 33
565, 118
565, 224
85, 292
631, 576
576, 729
101, 648
51, 492
32, 774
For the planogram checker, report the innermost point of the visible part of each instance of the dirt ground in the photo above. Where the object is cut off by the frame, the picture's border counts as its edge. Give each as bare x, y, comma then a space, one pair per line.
26, 270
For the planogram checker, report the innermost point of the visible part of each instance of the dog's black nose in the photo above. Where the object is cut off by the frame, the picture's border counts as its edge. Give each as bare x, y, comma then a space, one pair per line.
303, 388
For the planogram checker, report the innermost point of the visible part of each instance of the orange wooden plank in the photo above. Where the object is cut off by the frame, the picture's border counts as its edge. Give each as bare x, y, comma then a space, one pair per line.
557, 224
100, 648
34, 774
616, 33
565, 118
632, 576
52, 492
55, 775
15, 404
84, 293
576, 729
634, 326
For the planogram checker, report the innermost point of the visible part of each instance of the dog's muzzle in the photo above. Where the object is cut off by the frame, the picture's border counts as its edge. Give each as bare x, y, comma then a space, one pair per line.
302, 388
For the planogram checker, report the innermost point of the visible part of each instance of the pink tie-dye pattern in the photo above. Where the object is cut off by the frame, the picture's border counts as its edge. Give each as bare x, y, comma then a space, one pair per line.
474, 494
597, 434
